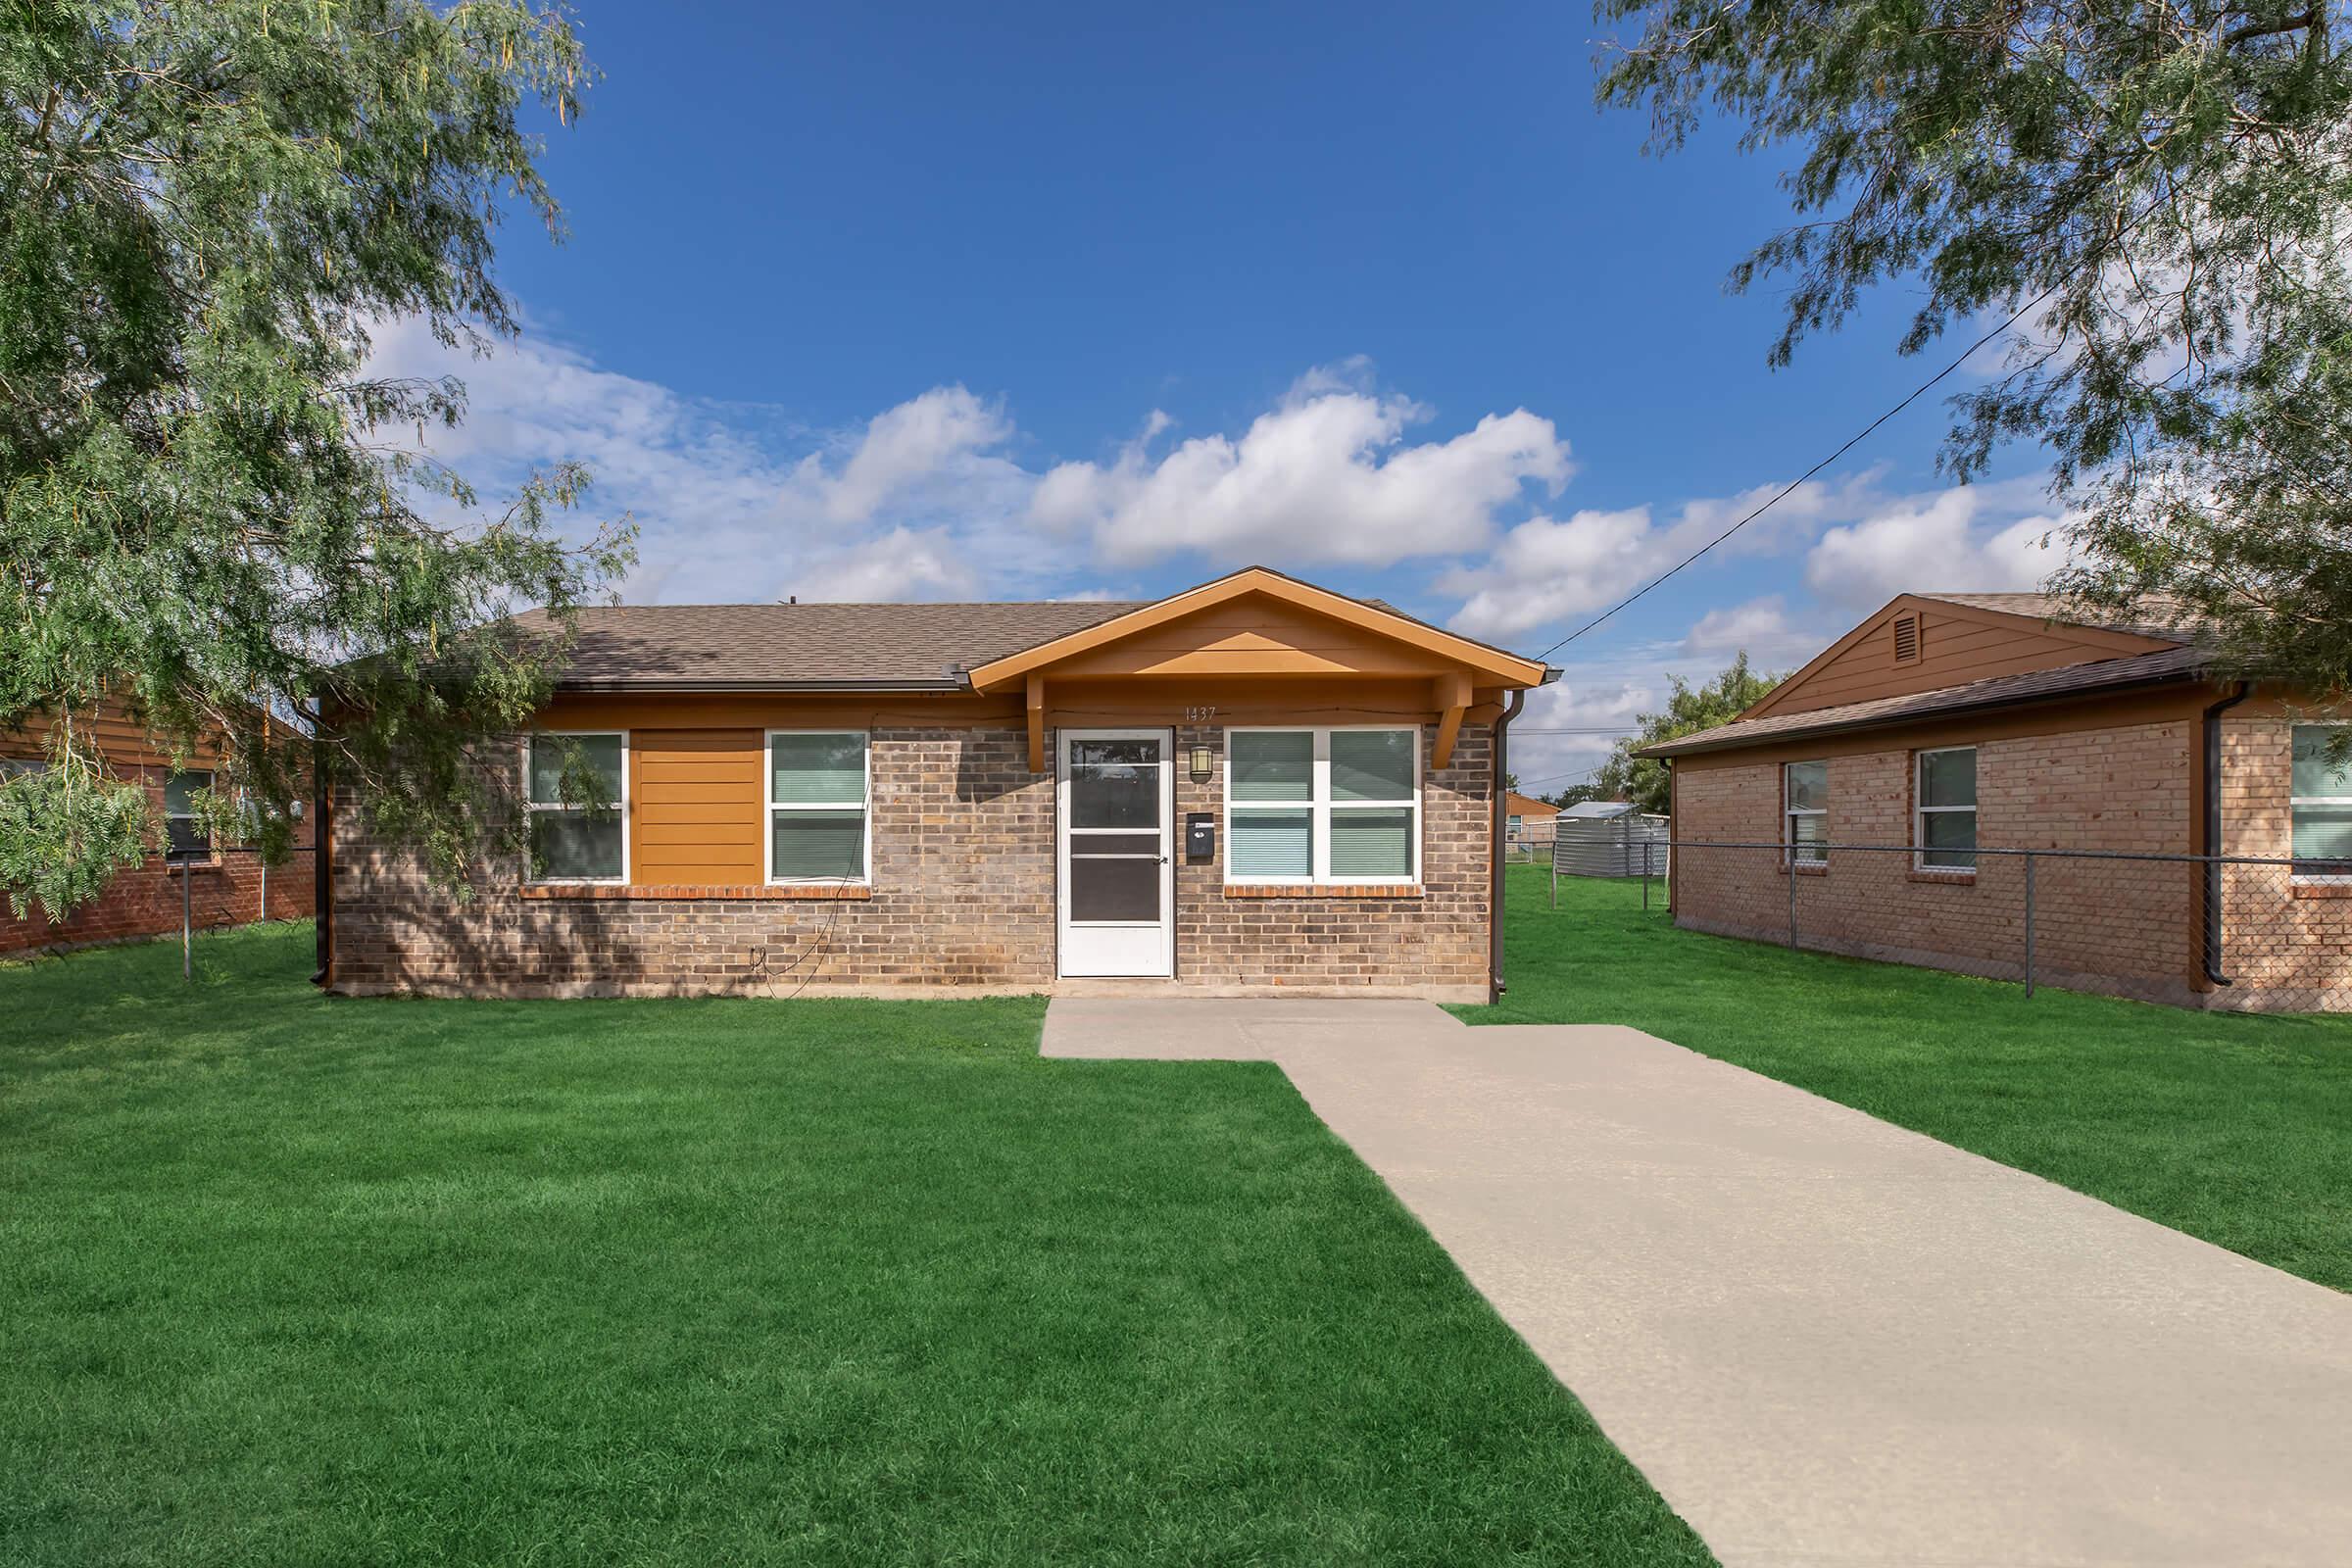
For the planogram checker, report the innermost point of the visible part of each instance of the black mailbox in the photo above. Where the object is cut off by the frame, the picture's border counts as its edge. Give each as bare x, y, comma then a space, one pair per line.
1200, 835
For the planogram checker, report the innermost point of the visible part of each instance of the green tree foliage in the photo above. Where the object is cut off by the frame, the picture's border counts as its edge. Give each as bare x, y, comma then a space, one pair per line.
211, 509
1644, 780
2161, 189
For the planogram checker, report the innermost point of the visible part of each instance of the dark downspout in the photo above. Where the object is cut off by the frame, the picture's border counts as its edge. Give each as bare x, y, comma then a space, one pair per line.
2213, 832
322, 901
1502, 750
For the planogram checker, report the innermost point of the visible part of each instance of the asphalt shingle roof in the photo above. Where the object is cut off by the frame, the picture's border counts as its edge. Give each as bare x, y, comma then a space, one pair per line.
1998, 691
2152, 615
820, 645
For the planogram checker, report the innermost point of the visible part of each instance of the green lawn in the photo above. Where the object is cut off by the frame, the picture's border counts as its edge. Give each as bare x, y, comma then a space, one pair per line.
2236, 1129
292, 1280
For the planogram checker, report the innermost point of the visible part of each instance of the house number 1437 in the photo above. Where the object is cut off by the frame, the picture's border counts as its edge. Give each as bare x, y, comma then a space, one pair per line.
1199, 715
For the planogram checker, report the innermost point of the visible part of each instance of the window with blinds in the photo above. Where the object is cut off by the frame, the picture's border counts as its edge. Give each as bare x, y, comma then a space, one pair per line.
1326, 805
818, 799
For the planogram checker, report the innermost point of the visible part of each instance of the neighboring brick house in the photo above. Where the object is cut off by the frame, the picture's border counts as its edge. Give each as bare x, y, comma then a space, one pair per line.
1527, 820
1252, 786
222, 887
1948, 723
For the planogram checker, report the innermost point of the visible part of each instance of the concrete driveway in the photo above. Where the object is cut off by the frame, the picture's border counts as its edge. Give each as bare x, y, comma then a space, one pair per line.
1824, 1339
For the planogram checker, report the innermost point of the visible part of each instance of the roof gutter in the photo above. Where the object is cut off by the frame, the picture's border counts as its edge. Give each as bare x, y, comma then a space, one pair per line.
1503, 755
2212, 845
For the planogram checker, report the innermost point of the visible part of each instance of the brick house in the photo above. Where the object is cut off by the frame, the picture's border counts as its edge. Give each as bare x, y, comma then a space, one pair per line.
1527, 820
1252, 786
222, 887
1947, 725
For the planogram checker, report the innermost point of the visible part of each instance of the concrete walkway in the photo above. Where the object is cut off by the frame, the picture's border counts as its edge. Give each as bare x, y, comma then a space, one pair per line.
1825, 1340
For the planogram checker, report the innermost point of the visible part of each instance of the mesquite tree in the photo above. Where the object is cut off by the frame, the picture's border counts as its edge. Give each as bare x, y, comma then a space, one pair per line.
211, 512
2161, 188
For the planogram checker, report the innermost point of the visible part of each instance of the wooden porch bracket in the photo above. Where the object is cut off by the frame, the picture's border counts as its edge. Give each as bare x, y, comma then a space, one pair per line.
1452, 694
1037, 723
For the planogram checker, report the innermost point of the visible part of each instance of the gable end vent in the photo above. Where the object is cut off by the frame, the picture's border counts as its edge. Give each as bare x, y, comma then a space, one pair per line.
1906, 639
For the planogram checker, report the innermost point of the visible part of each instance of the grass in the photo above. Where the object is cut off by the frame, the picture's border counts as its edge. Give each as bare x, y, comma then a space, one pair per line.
287, 1280
2237, 1129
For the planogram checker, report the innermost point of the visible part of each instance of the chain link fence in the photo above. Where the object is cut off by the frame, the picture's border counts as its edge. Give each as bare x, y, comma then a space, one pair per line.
172, 897
2236, 932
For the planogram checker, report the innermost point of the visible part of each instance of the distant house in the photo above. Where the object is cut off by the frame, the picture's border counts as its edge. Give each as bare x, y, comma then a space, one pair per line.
1254, 785
1946, 725
1526, 819
1610, 838
222, 888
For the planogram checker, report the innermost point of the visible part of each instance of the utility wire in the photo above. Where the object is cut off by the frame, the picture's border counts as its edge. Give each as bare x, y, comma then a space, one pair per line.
1784, 492
1859, 436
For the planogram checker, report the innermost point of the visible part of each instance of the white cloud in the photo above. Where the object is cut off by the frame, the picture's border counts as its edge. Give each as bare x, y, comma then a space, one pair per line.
1966, 539
1547, 570
1761, 627
902, 506
735, 502
904, 448
1326, 476
901, 564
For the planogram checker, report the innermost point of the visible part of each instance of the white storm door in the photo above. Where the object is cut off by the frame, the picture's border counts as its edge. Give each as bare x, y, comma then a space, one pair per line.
1116, 790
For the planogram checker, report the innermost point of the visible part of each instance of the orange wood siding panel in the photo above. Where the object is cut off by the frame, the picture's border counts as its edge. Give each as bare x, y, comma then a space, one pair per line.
695, 804
1954, 649
121, 739
1254, 636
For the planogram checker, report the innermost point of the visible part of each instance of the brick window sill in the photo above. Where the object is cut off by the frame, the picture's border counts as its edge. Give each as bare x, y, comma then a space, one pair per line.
197, 867
1959, 879
811, 893
2321, 890
1809, 870
1322, 890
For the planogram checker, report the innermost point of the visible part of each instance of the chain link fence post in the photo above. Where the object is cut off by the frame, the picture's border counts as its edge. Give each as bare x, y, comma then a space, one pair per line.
2029, 925
1791, 858
187, 926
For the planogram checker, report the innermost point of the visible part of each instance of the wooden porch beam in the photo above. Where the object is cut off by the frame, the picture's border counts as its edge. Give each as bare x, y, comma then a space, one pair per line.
1037, 723
1452, 694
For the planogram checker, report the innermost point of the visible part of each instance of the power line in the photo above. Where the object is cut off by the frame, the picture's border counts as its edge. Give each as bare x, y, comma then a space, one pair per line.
1554, 778
1784, 492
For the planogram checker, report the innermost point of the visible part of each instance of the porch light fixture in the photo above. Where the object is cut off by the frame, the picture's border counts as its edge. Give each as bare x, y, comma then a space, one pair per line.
1203, 765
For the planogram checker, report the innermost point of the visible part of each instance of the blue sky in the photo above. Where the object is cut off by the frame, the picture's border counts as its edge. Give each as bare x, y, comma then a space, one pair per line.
877, 302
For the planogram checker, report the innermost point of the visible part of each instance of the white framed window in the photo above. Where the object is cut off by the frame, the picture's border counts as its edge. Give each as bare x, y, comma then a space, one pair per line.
1338, 803
570, 842
1805, 813
185, 836
19, 766
819, 794
2321, 807
1514, 825
1944, 817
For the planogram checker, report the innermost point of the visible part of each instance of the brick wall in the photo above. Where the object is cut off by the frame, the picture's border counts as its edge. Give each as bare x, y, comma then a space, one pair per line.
1435, 944
144, 900
2124, 927
2285, 946
962, 895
